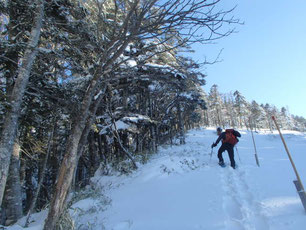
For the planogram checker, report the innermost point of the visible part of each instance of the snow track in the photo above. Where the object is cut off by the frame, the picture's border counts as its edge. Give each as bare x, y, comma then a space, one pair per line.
243, 212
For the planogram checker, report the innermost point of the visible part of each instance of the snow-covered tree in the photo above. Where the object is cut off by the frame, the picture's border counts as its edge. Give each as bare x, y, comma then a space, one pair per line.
229, 111
130, 20
257, 116
241, 107
216, 106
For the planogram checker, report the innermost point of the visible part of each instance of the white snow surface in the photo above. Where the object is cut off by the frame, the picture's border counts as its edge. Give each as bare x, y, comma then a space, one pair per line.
182, 188
121, 125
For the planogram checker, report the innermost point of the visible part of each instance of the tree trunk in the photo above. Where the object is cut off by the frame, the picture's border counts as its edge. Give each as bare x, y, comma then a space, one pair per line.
69, 163
66, 173
11, 118
140, 142
171, 136
70, 160
101, 152
218, 118
94, 157
85, 133
41, 178
12, 198
157, 132
180, 124
152, 129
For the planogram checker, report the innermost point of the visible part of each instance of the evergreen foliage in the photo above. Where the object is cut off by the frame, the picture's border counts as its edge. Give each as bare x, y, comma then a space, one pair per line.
233, 110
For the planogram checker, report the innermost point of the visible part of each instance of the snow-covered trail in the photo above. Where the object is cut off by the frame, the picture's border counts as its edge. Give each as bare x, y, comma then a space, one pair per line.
239, 204
181, 188
177, 189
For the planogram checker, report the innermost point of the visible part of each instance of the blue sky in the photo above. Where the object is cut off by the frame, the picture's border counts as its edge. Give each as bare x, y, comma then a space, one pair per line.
266, 59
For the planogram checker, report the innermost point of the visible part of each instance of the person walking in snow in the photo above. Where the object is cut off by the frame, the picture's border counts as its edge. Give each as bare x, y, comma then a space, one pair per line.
229, 140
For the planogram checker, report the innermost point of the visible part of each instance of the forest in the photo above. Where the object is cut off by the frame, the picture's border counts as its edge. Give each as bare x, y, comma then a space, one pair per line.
101, 84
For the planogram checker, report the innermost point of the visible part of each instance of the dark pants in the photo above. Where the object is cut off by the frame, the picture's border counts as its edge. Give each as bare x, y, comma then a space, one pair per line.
230, 149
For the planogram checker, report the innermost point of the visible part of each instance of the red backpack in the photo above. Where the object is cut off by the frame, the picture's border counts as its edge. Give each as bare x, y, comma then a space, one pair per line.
230, 137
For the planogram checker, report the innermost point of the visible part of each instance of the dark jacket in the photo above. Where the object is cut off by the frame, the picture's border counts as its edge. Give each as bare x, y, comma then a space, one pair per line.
223, 136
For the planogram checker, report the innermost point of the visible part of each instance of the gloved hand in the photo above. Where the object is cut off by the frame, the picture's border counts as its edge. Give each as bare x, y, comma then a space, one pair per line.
213, 145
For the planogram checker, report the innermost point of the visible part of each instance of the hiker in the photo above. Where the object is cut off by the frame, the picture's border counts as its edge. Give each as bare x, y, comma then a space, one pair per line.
229, 139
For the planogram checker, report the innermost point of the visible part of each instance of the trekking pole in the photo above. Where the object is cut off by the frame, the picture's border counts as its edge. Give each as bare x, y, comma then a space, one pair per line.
211, 154
298, 183
256, 157
238, 154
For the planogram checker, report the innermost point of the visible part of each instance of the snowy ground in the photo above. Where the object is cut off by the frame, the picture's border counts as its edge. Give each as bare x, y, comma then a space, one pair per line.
181, 188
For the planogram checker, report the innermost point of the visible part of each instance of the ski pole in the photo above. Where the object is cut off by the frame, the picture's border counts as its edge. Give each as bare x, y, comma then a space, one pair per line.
256, 157
238, 154
298, 183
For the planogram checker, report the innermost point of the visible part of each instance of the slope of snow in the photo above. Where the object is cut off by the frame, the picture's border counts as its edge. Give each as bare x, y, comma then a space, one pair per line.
182, 188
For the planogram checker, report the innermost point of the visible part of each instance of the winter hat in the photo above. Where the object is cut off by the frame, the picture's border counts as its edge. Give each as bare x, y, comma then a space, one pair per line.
219, 129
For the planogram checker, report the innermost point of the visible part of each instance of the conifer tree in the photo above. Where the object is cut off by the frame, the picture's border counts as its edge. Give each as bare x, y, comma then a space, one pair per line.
216, 105
241, 107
